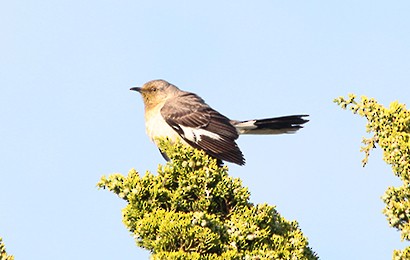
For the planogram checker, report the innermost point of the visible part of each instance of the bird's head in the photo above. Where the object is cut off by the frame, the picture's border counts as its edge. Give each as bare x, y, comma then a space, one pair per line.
155, 92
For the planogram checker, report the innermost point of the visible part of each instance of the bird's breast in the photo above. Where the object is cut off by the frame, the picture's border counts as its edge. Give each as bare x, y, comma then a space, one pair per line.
157, 127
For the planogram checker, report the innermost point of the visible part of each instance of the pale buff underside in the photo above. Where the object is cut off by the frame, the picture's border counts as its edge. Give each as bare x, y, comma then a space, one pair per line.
156, 127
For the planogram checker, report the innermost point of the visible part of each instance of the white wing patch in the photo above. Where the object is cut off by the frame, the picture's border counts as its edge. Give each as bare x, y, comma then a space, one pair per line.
195, 134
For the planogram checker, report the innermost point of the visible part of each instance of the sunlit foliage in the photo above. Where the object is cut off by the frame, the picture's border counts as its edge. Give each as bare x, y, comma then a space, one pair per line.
390, 130
192, 209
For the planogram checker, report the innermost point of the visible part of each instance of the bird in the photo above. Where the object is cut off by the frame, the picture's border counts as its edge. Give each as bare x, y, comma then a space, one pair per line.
181, 115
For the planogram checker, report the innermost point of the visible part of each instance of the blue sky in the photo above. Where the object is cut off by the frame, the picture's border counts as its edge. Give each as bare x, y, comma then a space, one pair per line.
67, 115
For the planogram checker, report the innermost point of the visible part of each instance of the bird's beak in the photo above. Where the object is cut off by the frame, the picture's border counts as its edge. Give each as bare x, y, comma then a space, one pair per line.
136, 89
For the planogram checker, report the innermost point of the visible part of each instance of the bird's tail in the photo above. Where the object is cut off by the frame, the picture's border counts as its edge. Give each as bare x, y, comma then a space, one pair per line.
271, 126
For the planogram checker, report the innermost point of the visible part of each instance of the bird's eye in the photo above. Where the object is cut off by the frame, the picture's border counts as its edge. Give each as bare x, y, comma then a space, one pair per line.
154, 89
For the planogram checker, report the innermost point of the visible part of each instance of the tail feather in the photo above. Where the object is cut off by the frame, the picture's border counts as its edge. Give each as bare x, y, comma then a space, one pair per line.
275, 125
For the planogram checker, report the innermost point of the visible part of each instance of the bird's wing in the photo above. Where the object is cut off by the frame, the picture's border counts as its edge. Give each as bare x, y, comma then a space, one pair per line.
202, 127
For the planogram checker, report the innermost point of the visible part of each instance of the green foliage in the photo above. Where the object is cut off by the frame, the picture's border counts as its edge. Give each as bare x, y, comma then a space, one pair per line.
192, 209
3, 253
390, 129
401, 254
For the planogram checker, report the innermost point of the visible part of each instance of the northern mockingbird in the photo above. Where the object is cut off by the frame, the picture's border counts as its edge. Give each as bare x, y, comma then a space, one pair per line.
177, 114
